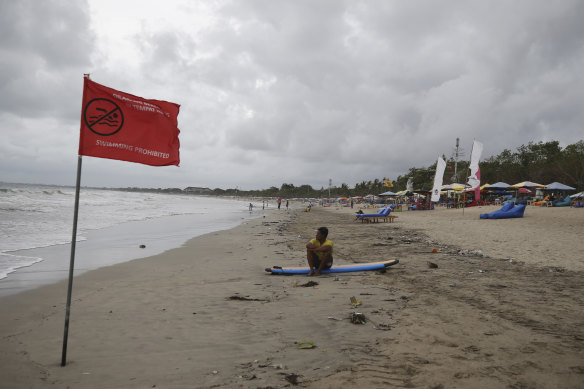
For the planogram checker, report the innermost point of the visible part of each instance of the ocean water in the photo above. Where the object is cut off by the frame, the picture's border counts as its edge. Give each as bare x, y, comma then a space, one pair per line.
35, 219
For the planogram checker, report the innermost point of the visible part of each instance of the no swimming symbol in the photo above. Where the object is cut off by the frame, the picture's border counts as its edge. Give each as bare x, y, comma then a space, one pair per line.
103, 117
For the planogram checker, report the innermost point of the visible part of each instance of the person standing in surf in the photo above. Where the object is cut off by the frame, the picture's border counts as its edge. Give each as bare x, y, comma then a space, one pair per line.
319, 252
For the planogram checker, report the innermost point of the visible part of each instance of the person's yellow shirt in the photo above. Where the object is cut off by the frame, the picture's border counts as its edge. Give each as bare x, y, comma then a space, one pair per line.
326, 243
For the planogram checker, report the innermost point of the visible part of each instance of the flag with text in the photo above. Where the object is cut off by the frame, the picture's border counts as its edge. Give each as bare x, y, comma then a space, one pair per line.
118, 125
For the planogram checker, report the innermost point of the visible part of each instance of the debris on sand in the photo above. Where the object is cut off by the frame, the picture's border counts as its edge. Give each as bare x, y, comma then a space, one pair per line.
309, 284
358, 318
240, 298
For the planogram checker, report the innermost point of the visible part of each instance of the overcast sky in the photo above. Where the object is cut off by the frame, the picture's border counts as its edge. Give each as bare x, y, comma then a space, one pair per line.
298, 91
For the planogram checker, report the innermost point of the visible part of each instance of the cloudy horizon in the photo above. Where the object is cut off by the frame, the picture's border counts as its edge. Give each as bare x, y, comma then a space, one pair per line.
298, 92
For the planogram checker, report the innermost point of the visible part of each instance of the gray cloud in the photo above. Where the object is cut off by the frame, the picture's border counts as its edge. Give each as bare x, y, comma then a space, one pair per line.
304, 91
44, 45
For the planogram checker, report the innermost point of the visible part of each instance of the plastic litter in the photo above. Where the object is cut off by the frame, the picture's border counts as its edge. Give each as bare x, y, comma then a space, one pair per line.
358, 318
305, 345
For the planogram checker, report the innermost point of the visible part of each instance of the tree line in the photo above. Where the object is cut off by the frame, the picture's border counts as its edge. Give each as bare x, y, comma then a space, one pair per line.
541, 162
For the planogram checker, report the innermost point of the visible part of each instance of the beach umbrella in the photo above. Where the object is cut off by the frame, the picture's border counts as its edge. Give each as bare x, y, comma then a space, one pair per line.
497, 186
557, 186
402, 193
388, 193
577, 195
526, 184
524, 191
457, 187
484, 186
469, 189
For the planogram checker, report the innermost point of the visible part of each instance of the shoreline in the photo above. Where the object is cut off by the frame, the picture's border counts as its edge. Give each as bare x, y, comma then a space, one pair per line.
207, 315
111, 245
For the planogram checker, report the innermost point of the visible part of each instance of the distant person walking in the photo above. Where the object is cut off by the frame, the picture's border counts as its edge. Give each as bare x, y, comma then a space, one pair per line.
279, 202
286, 203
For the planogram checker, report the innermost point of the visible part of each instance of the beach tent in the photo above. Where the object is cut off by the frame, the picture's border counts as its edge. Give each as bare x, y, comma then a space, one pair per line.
557, 187
577, 195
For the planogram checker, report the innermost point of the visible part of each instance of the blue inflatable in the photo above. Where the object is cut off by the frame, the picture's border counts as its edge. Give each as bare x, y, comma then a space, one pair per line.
562, 203
508, 211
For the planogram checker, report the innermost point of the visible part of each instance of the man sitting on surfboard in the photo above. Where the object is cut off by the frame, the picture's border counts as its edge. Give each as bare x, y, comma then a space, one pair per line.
319, 252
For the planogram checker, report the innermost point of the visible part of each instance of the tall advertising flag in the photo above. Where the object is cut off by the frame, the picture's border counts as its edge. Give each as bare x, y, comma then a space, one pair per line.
118, 125
475, 155
474, 181
438, 177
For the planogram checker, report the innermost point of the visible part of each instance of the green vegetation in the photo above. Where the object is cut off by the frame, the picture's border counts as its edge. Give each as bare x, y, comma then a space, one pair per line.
538, 162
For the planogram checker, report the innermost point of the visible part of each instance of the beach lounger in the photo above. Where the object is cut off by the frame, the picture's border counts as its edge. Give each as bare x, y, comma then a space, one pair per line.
375, 219
383, 214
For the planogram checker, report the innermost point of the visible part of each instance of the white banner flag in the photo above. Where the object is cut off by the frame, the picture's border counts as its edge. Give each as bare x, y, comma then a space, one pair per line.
410, 185
440, 166
475, 156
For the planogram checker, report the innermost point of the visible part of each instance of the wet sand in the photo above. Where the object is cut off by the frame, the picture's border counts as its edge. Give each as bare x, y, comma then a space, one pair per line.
494, 310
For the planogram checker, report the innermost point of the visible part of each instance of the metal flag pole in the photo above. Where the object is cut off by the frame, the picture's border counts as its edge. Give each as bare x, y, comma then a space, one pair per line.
71, 264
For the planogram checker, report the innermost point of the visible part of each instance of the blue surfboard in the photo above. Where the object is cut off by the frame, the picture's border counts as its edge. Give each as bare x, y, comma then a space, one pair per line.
335, 269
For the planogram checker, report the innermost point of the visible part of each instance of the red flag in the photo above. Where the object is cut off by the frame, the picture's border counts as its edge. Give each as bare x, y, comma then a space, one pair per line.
118, 125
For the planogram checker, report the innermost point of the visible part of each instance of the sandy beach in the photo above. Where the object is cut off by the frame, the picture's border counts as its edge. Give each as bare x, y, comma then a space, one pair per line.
500, 304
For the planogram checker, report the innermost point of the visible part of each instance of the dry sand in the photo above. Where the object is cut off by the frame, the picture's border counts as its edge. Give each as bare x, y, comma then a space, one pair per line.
207, 315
